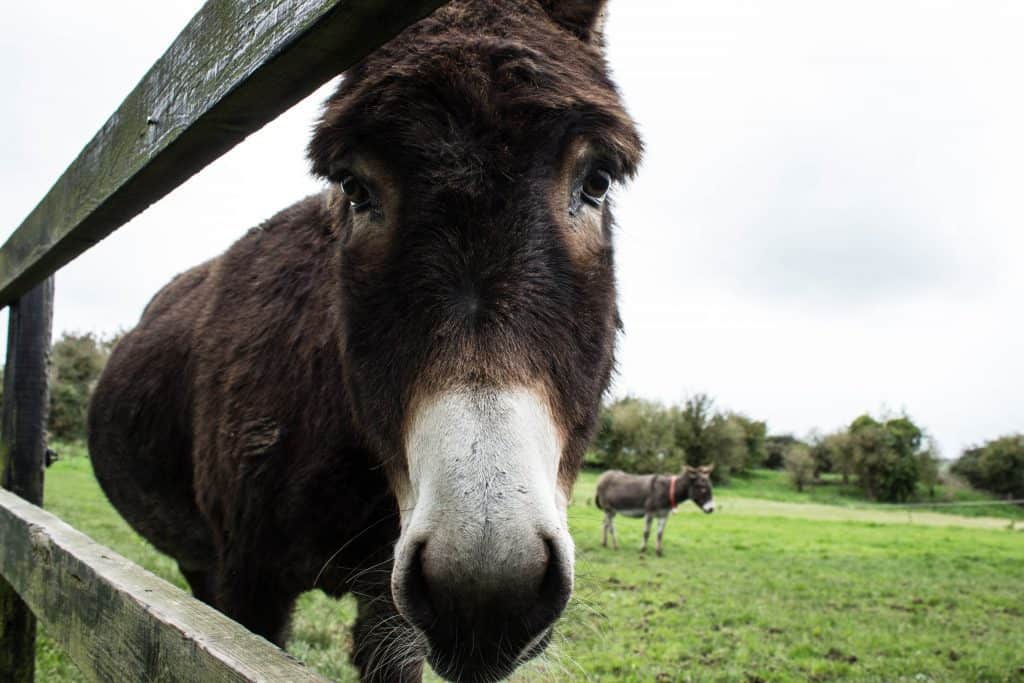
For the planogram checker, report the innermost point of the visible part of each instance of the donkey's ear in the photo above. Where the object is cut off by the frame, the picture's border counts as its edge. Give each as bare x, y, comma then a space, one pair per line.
708, 469
584, 18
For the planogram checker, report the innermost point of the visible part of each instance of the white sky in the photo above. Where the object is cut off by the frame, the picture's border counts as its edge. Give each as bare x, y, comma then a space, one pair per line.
829, 219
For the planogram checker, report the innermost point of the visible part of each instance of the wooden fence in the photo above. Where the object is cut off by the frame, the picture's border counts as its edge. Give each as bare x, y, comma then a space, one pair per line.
237, 65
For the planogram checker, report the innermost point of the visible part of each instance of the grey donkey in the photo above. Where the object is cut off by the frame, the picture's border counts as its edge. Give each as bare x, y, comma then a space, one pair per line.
650, 496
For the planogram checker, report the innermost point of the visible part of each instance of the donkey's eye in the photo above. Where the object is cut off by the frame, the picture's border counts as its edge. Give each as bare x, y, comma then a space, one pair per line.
356, 193
595, 186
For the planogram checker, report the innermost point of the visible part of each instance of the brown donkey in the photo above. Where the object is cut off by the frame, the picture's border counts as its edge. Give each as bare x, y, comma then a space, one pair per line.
387, 389
650, 496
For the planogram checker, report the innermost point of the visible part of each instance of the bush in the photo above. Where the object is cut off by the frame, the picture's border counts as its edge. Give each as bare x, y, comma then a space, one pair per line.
76, 363
68, 409
842, 454
637, 436
644, 436
775, 448
997, 466
887, 457
800, 465
754, 435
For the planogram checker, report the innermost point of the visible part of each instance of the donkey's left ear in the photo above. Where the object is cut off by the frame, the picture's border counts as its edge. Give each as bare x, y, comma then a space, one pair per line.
584, 18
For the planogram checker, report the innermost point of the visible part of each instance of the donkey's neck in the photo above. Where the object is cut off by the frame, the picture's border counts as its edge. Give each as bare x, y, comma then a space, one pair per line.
678, 490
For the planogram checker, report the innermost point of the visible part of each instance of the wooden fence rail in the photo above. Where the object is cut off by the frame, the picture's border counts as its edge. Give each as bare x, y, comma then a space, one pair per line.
118, 621
237, 65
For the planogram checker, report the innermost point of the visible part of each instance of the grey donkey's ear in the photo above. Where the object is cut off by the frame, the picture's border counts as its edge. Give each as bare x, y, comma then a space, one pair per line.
584, 18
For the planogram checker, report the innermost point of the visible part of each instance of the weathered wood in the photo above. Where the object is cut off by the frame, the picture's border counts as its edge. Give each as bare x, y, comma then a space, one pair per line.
22, 455
117, 621
17, 637
26, 393
236, 66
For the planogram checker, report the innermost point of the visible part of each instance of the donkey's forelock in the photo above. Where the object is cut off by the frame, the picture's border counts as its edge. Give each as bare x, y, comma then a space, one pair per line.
510, 66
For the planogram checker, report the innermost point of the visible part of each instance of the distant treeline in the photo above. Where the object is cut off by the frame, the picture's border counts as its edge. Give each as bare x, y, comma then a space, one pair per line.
890, 459
637, 435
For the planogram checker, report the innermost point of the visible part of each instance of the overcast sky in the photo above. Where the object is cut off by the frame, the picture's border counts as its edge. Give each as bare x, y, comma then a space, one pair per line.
829, 220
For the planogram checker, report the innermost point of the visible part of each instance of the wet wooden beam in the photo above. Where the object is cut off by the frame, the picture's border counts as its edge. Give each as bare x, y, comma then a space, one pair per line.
117, 621
237, 65
22, 456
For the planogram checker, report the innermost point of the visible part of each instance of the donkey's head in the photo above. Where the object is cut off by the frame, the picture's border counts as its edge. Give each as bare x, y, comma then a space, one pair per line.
698, 486
471, 161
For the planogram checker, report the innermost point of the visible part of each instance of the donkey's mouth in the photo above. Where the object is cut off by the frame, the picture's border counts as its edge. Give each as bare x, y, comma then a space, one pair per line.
477, 635
478, 662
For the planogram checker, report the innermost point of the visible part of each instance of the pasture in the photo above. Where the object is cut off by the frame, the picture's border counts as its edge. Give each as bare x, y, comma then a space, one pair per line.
757, 592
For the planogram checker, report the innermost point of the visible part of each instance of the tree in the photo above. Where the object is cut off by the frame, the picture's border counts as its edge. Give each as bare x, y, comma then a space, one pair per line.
996, 466
888, 457
775, 447
637, 436
693, 430
754, 435
820, 453
75, 364
707, 437
800, 465
928, 466
832, 452
841, 453
645, 436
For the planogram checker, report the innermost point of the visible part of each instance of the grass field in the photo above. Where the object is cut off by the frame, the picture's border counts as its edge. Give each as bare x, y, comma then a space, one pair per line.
748, 594
775, 485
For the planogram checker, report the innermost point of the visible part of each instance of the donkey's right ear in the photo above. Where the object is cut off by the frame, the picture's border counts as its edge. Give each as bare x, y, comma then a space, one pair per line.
584, 18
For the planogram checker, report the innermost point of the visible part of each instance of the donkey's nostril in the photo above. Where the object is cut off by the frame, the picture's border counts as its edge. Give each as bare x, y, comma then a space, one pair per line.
416, 590
555, 586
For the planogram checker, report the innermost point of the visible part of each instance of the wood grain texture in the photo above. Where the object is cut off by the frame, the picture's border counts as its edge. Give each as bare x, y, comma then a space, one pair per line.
27, 394
117, 621
22, 456
17, 637
237, 65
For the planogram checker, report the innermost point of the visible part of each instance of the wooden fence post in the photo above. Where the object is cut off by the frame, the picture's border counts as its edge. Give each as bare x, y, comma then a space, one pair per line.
22, 455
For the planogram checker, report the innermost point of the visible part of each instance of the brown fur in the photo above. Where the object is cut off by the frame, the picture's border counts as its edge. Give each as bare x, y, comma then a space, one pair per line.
252, 425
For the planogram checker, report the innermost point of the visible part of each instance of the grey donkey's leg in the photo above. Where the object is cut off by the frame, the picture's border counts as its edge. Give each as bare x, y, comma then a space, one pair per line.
661, 531
647, 530
611, 529
604, 528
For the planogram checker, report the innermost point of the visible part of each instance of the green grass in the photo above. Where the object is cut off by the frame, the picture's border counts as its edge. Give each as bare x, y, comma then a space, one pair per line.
740, 595
775, 485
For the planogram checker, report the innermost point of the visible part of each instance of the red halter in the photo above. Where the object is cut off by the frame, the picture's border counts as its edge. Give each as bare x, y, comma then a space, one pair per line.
672, 491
